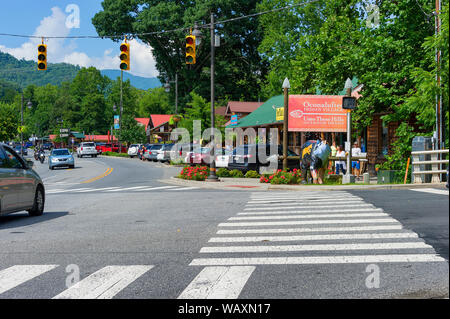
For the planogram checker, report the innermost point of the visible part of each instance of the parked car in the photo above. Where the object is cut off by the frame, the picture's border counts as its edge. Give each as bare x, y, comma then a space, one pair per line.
133, 150
201, 157
60, 157
153, 152
163, 155
21, 187
47, 146
223, 158
98, 147
246, 158
18, 149
87, 149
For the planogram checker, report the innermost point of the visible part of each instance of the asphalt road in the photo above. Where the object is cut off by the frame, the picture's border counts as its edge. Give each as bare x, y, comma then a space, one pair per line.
181, 242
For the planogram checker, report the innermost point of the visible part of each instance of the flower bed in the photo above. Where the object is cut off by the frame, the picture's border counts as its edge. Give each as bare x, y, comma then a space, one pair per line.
282, 177
197, 173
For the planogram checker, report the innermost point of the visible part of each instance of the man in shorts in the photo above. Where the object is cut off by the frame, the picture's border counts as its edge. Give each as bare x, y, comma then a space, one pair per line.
356, 151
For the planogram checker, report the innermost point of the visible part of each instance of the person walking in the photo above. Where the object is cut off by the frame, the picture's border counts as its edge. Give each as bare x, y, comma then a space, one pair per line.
331, 166
356, 151
340, 165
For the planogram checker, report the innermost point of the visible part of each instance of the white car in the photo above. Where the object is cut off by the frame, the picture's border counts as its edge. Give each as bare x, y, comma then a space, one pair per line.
223, 159
133, 150
87, 149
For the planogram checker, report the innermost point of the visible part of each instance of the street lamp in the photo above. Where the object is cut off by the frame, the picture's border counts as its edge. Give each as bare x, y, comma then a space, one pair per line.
212, 168
286, 87
167, 89
29, 105
348, 177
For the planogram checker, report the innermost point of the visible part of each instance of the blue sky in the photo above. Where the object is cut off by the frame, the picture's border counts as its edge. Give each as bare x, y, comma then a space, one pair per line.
47, 17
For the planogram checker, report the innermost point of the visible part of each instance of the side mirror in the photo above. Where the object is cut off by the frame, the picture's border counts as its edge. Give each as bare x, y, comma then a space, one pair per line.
30, 164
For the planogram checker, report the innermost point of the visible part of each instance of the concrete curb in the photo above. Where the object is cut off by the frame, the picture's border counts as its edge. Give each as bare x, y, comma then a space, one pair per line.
228, 185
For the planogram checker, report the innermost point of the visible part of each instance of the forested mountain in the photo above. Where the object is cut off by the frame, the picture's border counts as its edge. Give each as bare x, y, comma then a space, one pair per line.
23, 73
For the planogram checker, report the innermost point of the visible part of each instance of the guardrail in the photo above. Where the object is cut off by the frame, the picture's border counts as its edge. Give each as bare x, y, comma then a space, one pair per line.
434, 161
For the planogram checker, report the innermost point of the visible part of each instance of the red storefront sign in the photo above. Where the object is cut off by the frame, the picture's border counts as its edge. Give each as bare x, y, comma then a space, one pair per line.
317, 113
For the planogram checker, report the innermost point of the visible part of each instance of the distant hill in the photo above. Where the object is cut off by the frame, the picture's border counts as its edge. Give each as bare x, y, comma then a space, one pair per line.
22, 73
136, 81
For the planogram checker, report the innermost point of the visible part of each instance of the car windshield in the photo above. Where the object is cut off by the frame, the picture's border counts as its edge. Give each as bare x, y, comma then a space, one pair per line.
156, 147
89, 144
60, 152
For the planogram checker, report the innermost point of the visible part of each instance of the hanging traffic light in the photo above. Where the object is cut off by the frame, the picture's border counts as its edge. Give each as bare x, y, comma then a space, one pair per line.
125, 56
42, 57
190, 49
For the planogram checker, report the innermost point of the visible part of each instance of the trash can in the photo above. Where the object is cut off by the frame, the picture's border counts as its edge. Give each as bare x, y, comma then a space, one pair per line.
422, 143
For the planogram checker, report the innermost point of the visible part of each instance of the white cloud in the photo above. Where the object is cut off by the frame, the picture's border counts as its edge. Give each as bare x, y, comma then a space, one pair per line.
63, 50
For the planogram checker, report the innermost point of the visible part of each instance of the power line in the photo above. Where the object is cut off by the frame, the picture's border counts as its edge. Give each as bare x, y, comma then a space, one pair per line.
135, 35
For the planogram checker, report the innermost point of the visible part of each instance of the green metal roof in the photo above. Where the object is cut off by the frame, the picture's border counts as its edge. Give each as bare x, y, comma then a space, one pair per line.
77, 135
263, 115
266, 113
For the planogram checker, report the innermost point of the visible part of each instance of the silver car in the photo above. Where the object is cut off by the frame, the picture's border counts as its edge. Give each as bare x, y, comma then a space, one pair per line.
21, 188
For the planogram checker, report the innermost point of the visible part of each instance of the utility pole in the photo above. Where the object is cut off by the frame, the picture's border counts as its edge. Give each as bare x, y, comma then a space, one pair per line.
212, 168
349, 177
21, 126
286, 87
176, 93
121, 108
439, 127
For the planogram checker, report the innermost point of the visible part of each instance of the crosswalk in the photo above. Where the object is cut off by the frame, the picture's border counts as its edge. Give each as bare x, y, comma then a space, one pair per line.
432, 191
273, 229
117, 189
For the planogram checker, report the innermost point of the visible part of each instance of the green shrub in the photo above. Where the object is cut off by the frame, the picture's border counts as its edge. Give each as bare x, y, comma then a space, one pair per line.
252, 174
223, 172
115, 154
236, 173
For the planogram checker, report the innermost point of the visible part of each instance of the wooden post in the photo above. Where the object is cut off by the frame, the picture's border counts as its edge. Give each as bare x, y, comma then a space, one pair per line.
407, 167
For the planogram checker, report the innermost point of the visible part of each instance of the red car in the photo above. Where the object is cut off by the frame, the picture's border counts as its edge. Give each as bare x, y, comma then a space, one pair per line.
108, 147
202, 158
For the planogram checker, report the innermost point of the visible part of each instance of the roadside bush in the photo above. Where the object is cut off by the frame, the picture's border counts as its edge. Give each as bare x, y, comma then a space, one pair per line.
223, 172
282, 177
115, 154
177, 162
236, 173
252, 174
197, 173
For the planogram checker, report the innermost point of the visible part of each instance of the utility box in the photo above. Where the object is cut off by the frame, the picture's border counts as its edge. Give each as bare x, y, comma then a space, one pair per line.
385, 177
422, 143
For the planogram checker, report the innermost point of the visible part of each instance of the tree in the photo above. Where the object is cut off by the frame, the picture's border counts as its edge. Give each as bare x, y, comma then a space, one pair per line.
132, 132
8, 122
239, 66
154, 101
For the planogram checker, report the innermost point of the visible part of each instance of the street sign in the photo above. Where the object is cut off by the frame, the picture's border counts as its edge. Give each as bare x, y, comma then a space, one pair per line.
349, 103
234, 119
280, 114
63, 135
64, 130
116, 122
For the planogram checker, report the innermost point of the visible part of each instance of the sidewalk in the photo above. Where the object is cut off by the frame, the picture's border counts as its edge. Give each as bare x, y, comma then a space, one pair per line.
253, 184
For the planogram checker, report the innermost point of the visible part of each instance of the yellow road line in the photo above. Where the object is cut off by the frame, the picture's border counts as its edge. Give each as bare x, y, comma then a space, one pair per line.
108, 171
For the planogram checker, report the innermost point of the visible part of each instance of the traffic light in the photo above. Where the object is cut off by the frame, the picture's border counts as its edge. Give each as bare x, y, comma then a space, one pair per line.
190, 49
125, 56
42, 57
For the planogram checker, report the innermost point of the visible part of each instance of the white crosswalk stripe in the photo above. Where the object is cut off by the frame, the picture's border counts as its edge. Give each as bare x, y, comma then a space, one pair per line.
117, 189
17, 275
218, 283
329, 228
432, 191
105, 283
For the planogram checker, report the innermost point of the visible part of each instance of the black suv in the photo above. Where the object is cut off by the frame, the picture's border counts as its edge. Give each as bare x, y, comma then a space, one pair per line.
246, 158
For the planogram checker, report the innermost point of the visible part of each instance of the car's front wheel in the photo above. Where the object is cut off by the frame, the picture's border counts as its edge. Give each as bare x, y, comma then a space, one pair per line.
39, 201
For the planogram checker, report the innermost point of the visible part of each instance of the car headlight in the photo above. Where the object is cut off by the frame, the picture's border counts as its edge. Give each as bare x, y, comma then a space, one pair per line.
54, 160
